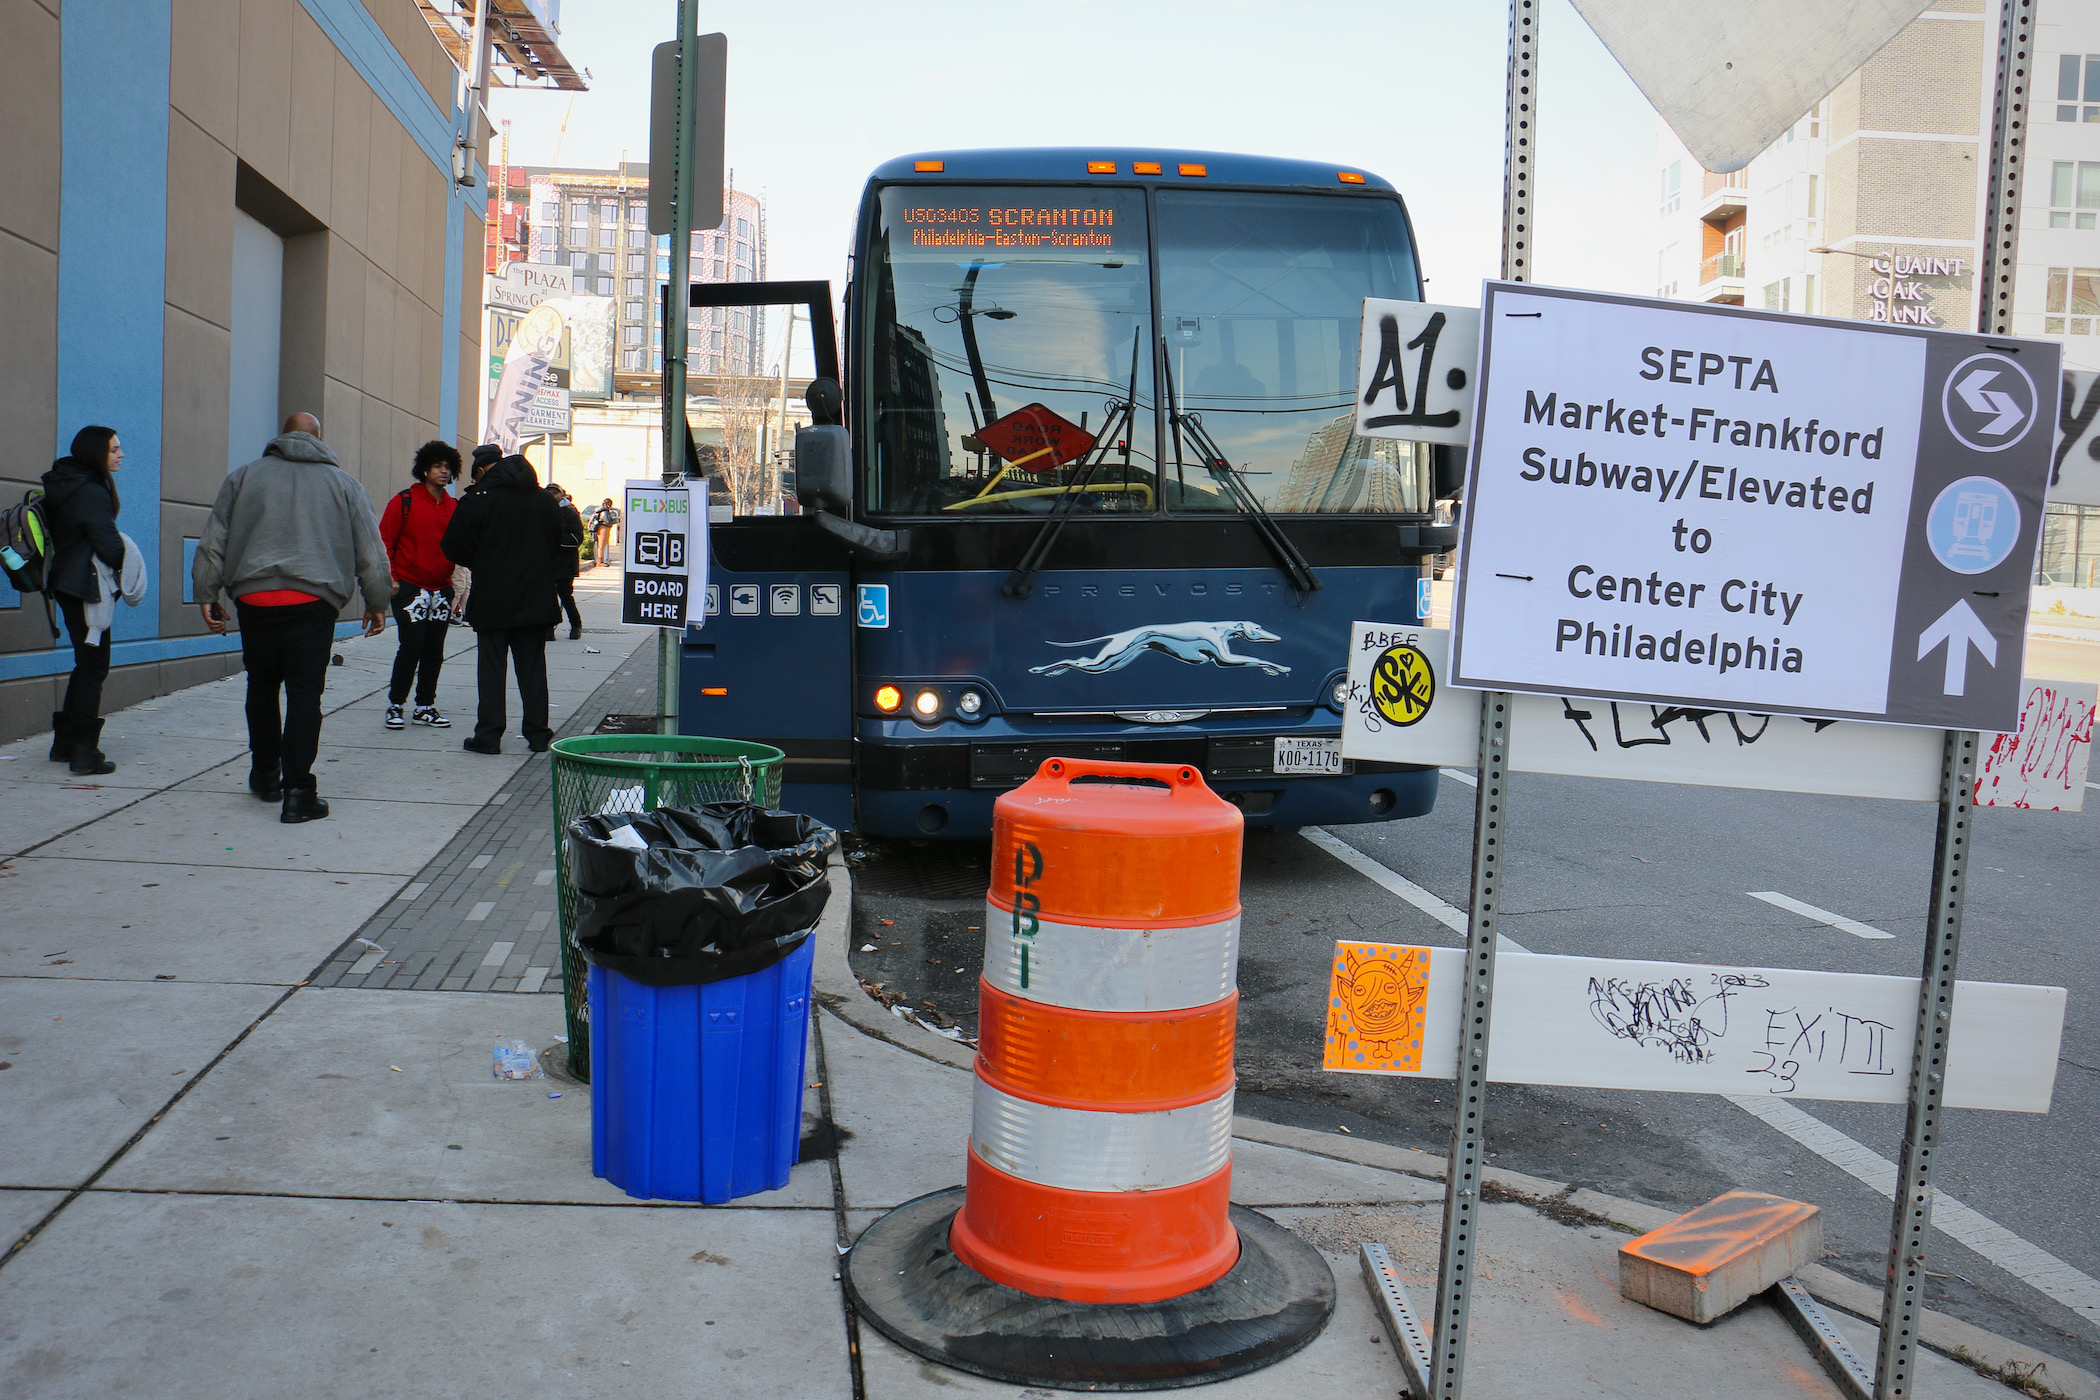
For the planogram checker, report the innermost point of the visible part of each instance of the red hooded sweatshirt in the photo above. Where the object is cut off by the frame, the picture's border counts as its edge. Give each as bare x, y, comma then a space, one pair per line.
412, 535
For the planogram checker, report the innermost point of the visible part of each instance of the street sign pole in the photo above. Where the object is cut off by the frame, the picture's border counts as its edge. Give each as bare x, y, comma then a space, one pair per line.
684, 105
1464, 1166
1910, 1225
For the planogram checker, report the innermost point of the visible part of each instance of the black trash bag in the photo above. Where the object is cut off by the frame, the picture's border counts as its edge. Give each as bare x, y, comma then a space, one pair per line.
721, 890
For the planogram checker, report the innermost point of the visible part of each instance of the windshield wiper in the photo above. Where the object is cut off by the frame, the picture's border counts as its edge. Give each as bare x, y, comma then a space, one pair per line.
1296, 570
1115, 426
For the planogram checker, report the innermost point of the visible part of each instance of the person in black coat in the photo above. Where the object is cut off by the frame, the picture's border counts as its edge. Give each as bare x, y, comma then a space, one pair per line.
508, 531
80, 507
567, 561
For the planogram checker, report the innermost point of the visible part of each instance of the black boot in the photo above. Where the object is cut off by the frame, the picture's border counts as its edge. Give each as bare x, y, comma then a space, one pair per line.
266, 784
302, 805
61, 737
87, 753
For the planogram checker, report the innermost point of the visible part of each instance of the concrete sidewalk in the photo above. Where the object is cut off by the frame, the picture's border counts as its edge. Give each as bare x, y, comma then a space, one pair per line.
226, 1181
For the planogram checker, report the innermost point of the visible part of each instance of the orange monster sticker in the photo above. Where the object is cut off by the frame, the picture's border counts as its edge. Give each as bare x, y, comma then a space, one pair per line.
1375, 1001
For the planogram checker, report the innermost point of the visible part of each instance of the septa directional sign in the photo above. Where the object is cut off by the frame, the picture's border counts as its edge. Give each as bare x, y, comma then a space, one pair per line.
1414, 377
1702, 505
1036, 438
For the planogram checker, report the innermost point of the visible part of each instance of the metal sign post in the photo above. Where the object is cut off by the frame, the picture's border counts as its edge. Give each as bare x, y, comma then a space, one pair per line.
1463, 1168
686, 98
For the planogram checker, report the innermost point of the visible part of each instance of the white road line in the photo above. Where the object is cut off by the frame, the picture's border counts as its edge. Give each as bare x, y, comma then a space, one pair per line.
2075, 1290
1449, 915
1821, 916
1462, 776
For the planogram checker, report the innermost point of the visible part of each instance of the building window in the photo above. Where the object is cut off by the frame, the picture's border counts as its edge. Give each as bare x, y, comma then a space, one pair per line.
1672, 186
550, 211
634, 286
605, 286
743, 228
637, 238
1776, 295
634, 311
2074, 193
1815, 121
1808, 294
546, 255
715, 339
630, 335
2074, 293
579, 211
637, 262
609, 213
2078, 87
580, 261
638, 215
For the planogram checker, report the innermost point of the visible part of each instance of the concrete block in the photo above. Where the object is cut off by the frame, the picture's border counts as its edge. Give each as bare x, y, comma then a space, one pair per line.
204, 68
1711, 1260
29, 112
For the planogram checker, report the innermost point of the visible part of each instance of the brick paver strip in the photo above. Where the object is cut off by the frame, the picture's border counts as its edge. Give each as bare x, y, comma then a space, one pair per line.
430, 945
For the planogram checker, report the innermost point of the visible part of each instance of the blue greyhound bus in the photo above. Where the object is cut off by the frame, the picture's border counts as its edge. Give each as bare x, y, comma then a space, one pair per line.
1096, 493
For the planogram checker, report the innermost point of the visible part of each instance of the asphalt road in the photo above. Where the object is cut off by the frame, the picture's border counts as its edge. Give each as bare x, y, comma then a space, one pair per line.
1646, 871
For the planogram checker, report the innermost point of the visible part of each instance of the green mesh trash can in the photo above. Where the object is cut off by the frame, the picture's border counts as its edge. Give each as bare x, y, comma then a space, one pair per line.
639, 773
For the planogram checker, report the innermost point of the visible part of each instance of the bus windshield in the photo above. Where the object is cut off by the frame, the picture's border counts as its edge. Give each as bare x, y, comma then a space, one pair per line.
1261, 297
1005, 323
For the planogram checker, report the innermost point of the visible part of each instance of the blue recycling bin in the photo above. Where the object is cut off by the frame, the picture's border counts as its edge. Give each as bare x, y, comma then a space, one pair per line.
696, 1092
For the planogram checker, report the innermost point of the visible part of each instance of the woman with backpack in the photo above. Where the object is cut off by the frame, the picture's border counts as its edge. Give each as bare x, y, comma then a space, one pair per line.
80, 509
411, 526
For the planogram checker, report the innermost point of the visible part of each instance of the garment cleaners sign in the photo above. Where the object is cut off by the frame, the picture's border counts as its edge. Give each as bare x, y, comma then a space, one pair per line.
665, 558
1711, 506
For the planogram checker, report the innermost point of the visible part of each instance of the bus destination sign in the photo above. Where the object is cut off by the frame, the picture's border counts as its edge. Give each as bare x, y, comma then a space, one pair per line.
1018, 227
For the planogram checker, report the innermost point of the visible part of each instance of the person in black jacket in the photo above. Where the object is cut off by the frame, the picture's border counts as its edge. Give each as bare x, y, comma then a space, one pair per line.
567, 561
80, 506
507, 530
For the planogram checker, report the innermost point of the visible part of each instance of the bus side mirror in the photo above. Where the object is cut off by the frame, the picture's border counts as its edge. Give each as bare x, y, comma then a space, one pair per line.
824, 469
1448, 471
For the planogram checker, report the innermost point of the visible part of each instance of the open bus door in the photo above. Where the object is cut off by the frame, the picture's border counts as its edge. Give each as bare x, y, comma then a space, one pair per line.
771, 659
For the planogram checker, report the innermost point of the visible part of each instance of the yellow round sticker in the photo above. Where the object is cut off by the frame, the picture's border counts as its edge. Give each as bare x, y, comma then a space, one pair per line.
1402, 685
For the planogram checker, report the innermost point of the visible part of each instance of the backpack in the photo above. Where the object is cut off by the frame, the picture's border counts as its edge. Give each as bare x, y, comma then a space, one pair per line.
25, 547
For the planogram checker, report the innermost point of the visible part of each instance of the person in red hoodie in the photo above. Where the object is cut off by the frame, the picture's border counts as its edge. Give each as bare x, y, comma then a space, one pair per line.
412, 525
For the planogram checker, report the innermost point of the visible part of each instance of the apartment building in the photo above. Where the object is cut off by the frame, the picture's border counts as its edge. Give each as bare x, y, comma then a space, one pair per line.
1870, 207
596, 221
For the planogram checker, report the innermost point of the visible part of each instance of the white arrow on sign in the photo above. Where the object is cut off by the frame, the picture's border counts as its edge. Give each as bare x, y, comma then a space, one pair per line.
1976, 396
1960, 628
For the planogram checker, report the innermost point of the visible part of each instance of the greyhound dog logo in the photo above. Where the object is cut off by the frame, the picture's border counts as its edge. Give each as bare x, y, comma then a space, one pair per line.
1191, 642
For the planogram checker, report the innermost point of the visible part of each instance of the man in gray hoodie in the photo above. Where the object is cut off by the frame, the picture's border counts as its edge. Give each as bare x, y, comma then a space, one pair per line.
292, 539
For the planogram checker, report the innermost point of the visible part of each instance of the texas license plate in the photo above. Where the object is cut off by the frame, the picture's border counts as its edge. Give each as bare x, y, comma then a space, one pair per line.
1295, 755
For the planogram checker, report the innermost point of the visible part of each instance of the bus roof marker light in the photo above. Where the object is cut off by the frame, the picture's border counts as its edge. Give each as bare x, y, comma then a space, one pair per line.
1348, 177
929, 167
1100, 167
1145, 167
1195, 170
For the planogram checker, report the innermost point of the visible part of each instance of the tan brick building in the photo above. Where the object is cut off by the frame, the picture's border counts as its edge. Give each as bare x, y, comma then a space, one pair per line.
220, 212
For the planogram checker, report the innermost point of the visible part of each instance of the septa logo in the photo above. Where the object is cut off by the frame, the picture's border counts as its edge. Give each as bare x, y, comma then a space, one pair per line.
1989, 402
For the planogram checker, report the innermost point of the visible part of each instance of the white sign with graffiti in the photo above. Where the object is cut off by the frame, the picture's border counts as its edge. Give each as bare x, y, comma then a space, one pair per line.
1688, 1028
2074, 475
1399, 711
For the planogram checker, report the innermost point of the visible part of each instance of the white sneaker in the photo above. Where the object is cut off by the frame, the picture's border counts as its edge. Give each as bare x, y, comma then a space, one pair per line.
427, 714
394, 719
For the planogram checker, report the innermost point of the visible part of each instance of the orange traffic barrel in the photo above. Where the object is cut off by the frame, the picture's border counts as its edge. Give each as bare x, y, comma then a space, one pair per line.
1100, 1165
1094, 1245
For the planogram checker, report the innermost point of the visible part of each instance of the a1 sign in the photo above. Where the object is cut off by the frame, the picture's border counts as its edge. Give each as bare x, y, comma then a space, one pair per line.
1414, 374
666, 553
1702, 505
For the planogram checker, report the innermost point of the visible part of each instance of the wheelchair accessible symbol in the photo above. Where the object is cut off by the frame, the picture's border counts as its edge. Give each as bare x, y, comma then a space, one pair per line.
1973, 525
873, 605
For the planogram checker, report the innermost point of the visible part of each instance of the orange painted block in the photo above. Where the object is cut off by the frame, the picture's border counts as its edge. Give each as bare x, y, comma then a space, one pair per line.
1711, 1260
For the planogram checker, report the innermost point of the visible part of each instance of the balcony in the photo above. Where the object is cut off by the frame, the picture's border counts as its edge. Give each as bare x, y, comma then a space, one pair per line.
1721, 279
1724, 198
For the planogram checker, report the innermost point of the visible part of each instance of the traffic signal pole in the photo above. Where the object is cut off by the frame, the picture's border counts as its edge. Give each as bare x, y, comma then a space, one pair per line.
675, 317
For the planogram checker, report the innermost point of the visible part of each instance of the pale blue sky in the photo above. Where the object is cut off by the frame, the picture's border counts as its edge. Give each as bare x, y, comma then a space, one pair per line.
821, 91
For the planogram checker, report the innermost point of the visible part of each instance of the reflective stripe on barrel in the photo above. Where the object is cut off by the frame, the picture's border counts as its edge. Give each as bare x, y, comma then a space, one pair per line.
1102, 1059
1094, 968
1079, 1150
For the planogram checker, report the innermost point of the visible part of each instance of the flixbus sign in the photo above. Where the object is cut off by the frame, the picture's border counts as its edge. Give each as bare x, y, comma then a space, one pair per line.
665, 560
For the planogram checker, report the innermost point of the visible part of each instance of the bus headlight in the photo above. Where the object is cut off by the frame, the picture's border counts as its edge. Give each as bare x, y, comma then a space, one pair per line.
926, 704
970, 702
1338, 694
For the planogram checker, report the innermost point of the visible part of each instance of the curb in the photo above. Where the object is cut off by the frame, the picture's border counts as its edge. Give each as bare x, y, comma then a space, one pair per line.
838, 991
